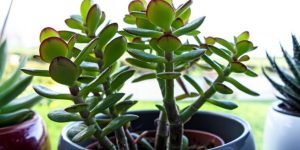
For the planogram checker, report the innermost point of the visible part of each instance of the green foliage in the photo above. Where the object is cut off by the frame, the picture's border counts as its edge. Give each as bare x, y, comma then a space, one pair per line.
289, 89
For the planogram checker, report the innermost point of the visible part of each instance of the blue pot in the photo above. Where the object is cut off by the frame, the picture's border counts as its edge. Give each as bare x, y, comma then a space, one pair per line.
234, 131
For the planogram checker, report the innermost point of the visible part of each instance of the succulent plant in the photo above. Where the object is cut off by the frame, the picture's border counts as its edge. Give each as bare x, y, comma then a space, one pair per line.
91, 74
156, 44
14, 108
289, 90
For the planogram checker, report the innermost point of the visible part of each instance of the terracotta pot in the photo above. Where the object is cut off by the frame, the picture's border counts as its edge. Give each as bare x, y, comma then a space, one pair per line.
235, 132
29, 135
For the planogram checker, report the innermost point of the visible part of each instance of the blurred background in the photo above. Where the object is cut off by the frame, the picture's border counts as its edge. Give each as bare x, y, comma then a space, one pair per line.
270, 23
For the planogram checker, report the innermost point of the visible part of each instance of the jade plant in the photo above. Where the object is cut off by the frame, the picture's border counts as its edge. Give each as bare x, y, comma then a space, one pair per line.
290, 87
14, 109
86, 61
157, 43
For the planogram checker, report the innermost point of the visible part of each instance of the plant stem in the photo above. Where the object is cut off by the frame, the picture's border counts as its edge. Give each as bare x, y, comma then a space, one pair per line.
161, 132
175, 124
131, 144
194, 107
104, 141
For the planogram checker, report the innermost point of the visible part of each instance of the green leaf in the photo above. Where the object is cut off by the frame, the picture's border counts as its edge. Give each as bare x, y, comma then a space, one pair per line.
212, 64
184, 96
75, 130
58, 69
241, 87
109, 101
77, 108
129, 19
221, 88
100, 79
185, 16
120, 80
53, 47
47, 33
144, 77
189, 27
161, 14
238, 67
21, 103
3, 55
106, 34
244, 58
15, 90
168, 75
177, 23
140, 15
45, 92
183, 8
244, 47
169, 43
291, 63
60, 115
85, 7
194, 84
118, 123
140, 46
123, 107
66, 35
186, 47
189, 56
223, 104
208, 81
144, 24
71, 44
93, 20
74, 24
220, 53
243, 36
136, 5
85, 52
140, 64
146, 56
15, 117
36, 72
119, 71
250, 73
143, 32
85, 134
226, 44
185, 140
114, 50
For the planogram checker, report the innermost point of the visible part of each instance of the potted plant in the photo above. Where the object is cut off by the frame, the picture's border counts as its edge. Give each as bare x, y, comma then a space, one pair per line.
281, 124
94, 80
20, 127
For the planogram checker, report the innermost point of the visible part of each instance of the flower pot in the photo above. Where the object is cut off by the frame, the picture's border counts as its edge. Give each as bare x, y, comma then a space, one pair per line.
281, 129
29, 135
235, 132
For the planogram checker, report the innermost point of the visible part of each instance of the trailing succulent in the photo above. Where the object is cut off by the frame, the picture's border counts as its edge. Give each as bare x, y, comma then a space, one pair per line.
14, 109
156, 44
290, 87
91, 74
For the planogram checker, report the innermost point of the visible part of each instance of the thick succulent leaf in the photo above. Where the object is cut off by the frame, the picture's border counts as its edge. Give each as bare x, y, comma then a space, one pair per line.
63, 71
144, 24
85, 7
185, 140
77, 18
238, 67
85, 134
244, 58
296, 48
74, 24
140, 64
60, 115
221, 88
243, 36
119, 71
250, 73
106, 34
154, 45
77, 108
93, 19
212, 64
15, 117
184, 96
169, 43
14, 77
100, 79
66, 35
75, 130
14, 91
146, 56
129, 19
168, 75
140, 46
3, 55
123, 107
291, 63
194, 84
120, 80
183, 8
53, 47
244, 47
220, 52
225, 43
21, 103
48, 93
185, 16
85, 52
144, 77
185, 48
36, 72
189, 56
140, 15
223, 104
208, 81
241, 87
71, 44
89, 58
117, 123
102, 18
114, 50
161, 14
5, 22
177, 23
143, 32
89, 66
189, 27
47, 33
136, 5
109, 101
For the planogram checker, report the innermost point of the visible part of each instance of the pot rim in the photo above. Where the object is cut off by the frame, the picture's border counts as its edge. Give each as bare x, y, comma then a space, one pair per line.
12, 128
243, 135
276, 107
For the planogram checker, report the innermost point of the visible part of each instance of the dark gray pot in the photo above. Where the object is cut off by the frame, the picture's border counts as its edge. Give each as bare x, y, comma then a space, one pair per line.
234, 131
